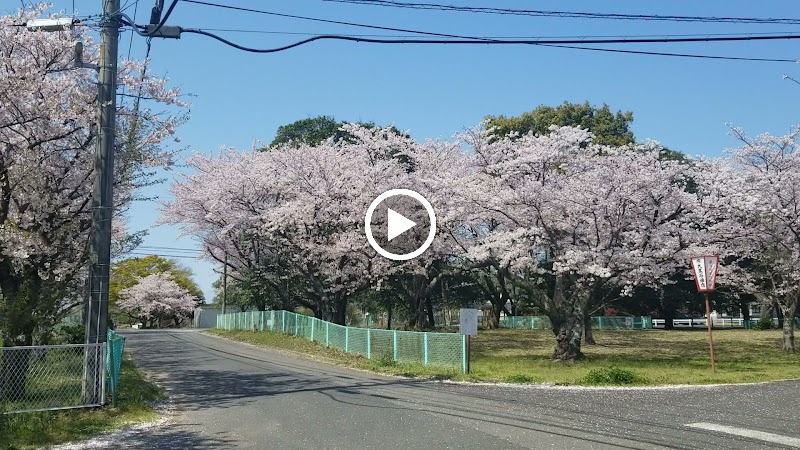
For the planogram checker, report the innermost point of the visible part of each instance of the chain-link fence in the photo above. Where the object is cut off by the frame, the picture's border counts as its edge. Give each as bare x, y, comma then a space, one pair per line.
598, 323
440, 349
47, 377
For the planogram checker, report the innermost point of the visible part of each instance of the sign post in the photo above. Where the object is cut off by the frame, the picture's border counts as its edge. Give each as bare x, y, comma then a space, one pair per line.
705, 275
468, 326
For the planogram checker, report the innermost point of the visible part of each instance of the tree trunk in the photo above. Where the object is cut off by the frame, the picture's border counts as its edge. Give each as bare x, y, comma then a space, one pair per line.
594, 296
588, 337
429, 308
568, 332
744, 307
414, 313
567, 315
779, 311
389, 318
788, 327
494, 318
667, 309
417, 319
340, 311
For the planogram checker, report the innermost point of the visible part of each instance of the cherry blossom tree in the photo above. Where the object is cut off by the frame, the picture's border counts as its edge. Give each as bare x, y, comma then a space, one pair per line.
438, 170
294, 212
753, 209
47, 140
555, 215
156, 298
574, 220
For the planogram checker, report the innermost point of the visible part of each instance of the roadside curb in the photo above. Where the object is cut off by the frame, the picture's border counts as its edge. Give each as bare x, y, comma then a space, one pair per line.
661, 387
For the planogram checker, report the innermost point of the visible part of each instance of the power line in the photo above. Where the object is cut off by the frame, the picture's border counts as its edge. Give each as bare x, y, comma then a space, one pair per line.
681, 55
301, 33
130, 42
567, 14
162, 255
488, 40
540, 42
154, 28
178, 249
640, 52
314, 19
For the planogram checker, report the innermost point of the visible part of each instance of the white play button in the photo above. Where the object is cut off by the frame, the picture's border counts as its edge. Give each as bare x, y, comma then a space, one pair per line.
404, 224
398, 224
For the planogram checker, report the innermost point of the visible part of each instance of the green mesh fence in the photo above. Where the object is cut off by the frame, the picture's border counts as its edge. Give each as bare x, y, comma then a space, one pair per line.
525, 322
430, 349
114, 347
598, 323
622, 322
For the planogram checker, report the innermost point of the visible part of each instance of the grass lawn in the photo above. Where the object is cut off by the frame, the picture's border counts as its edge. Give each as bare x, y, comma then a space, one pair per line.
654, 356
34, 430
638, 357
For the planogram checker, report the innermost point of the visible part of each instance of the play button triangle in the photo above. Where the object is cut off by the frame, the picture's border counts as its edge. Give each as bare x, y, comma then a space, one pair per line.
398, 224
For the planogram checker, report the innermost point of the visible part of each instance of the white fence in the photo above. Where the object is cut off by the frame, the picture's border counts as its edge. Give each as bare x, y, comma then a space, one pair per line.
701, 322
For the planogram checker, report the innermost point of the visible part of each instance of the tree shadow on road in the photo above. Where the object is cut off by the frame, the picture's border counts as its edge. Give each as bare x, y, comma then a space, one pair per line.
202, 389
195, 385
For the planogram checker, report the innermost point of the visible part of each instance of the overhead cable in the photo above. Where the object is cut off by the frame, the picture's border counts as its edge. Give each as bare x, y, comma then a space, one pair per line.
569, 14
540, 42
315, 19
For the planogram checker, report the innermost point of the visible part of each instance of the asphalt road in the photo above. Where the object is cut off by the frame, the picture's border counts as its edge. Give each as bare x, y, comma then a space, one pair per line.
230, 395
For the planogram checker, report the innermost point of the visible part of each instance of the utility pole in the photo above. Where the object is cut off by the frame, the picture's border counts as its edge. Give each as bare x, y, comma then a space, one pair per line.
225, 284
102, 194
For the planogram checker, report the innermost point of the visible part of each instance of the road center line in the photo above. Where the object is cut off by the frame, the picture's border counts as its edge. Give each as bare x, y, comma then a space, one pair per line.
744, 432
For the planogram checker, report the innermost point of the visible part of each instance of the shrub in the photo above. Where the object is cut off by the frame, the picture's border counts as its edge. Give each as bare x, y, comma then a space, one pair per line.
611, 375
385, 361
520, 378
68, 334
765, 323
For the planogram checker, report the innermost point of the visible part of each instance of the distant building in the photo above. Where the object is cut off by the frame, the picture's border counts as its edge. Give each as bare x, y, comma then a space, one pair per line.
205, 316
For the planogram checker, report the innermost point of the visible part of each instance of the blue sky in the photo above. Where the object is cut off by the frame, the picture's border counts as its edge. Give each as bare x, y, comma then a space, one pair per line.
435, 91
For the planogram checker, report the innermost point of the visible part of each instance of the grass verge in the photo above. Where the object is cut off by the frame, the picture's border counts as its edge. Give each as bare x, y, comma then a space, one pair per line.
335, 356
632, 357
34, 430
